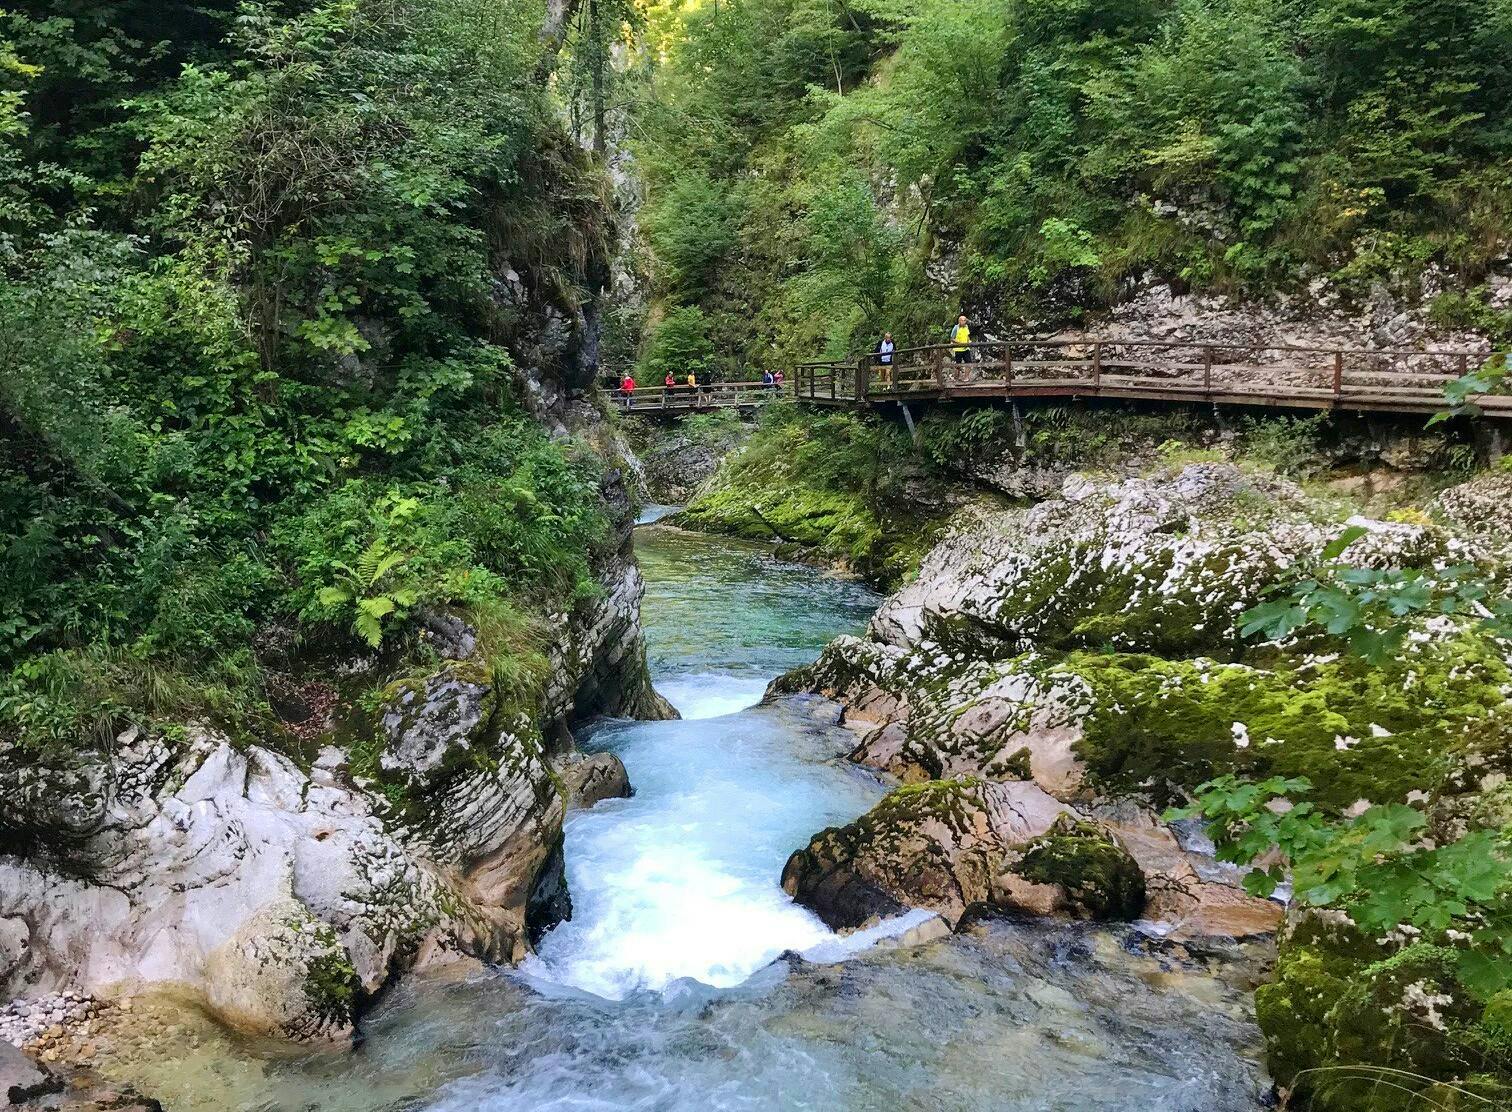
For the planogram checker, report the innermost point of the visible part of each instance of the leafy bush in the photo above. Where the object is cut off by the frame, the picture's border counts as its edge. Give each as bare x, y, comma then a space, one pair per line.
1380, 866
1289, 445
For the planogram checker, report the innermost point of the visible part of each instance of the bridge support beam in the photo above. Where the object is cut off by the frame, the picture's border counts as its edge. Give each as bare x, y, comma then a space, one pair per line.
913, 430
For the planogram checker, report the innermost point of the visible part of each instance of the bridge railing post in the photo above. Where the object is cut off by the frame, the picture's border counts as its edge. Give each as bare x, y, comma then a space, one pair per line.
937, 361
1207, 368
863, 378
1097, 365
1338, 373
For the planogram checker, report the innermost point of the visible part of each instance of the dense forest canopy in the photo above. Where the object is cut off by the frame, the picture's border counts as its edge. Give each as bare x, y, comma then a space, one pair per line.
815, 168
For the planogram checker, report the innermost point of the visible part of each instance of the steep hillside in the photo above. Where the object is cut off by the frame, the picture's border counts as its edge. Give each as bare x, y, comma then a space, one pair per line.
310, 548
818, 173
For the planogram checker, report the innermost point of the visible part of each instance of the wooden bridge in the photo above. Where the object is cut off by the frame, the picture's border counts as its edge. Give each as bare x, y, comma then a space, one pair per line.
690, 399
1269, 376
1272, 376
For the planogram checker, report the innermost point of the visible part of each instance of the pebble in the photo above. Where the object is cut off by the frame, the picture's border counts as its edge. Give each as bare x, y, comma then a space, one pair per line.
49, 1023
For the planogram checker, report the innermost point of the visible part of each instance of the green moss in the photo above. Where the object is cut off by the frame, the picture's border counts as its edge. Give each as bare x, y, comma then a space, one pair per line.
945, 799
1345, 1013
1097, 874
1018, 764
331, 985
1358, 732
830, 486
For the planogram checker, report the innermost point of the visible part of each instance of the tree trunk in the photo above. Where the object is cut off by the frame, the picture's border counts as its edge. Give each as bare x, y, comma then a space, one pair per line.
600, 60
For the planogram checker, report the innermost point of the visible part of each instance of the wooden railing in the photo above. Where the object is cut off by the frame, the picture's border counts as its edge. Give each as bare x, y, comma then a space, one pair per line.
1267, 375
713, 395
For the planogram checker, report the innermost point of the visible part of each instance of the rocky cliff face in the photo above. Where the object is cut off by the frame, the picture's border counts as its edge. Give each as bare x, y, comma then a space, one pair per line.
1076, 663
280, 893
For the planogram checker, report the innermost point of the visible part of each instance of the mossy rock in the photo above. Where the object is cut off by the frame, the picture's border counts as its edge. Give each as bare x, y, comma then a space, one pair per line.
1341, 1020
1356, 731
1099, 877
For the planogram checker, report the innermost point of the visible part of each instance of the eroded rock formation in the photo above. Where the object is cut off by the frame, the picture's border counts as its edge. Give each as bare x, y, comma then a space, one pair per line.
1084, 653
280, 891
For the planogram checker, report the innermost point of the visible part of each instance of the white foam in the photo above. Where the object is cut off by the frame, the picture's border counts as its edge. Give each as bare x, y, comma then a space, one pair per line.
839, 947
711, 694
681, 880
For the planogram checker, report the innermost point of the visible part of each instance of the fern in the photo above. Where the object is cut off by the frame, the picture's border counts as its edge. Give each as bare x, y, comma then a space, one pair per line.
362, 593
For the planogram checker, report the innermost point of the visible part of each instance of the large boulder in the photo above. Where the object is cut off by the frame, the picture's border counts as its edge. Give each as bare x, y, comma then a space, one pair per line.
594, 777
925, 713
954, 845
1086, 645
1141, 564
280, 897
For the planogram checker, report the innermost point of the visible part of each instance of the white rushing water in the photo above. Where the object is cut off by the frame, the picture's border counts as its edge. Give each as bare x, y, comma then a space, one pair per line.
681, 880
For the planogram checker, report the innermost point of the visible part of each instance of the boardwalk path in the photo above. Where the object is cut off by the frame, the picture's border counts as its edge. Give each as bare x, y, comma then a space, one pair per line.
1275, 377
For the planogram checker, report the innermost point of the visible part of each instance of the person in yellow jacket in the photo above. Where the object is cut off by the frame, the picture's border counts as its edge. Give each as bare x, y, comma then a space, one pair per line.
960, 338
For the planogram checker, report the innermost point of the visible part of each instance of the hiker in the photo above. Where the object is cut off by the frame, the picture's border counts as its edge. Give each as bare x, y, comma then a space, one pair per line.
768, 380
885, 349
778, 379
691, 385
669, 388
627, 388
960, 337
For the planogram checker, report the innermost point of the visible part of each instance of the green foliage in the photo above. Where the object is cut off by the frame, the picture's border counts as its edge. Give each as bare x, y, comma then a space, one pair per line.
1287, 445
950, 441
1238, 145
691, 231
1381, 867
256, 386
1373, 609
369, 591
678, 344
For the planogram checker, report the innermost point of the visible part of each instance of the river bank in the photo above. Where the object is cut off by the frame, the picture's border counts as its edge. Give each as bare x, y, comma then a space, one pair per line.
663, 992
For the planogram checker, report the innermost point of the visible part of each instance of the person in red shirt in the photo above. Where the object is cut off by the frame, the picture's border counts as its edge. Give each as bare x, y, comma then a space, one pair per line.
627, 388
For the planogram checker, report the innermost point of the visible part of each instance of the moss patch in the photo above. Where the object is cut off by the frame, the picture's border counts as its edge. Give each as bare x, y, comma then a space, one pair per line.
831, 487
1100, 879
1356, 731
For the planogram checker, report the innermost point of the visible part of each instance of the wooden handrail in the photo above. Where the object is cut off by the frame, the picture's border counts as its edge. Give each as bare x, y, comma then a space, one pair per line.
1386, 379
1216, 345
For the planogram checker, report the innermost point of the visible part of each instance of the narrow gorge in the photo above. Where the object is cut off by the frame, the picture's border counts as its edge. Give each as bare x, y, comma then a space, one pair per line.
645, 554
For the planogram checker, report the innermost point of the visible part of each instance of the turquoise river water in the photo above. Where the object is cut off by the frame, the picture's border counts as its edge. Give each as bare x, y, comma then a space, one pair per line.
687, 980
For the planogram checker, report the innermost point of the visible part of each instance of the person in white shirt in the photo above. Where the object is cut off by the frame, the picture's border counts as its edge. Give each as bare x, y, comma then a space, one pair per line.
884, 355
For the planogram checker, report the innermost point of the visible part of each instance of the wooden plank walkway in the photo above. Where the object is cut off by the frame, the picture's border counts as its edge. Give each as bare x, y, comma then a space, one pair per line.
1271, 376
687, 399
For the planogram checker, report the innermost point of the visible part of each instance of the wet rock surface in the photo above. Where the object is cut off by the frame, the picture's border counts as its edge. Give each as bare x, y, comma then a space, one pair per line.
593, 778
280, 897
1067, 644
